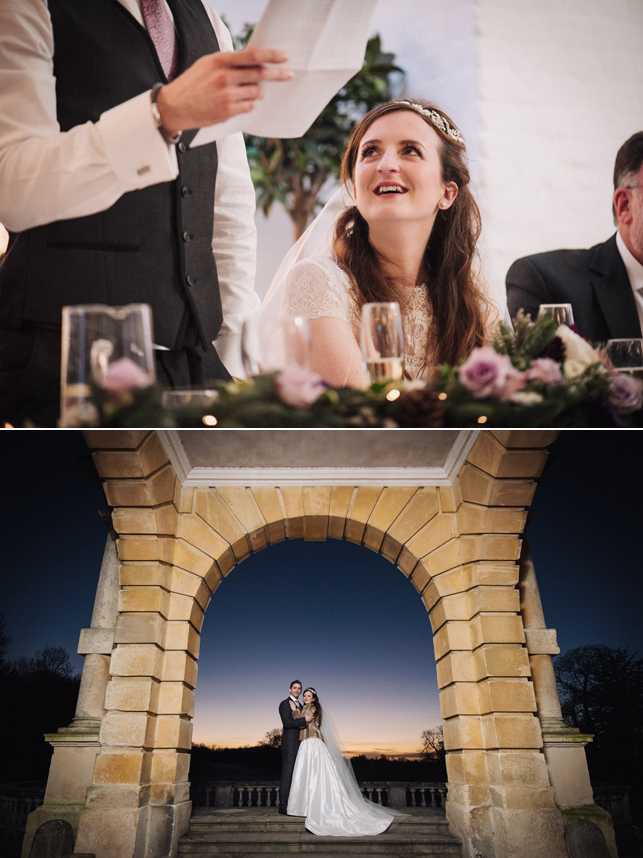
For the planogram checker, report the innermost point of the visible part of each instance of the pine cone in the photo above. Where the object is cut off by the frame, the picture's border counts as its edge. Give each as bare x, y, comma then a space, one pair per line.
420, 408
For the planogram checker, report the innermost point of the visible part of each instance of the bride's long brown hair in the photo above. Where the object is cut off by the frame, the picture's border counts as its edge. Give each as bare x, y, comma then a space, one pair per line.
454, 294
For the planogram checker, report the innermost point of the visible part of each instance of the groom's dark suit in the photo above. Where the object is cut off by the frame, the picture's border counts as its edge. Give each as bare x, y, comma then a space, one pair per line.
593, 281
289, 747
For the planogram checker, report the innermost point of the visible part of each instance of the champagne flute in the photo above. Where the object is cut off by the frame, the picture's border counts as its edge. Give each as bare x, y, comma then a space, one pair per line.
626, 355
383, 340
562, 313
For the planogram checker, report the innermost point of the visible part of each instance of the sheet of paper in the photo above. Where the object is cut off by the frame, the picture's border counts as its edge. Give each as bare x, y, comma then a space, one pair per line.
325, 41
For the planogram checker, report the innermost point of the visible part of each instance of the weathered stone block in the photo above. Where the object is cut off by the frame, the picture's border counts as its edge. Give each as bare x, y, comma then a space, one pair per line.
422, 507
95, 641
275, 506
525, 437
131, 629
143, 599
170, 766
406, 562
501, 660
134, 731
182, 636
450, 497
145, 575
195, 531
452, 636
507, 695
316, 500
354, 531
137, 660
179, 666
212, 509
188, 557
173, 732
175, 698
166, 518
363, 503
187, 584
479, 487
114, 439
497, 628
152, 454
242, 503
464, 731
388, 507
461, 698
138, 548
542, 642
419, 577
132, 695
184, 498
185, 608
468, 767
458, 665
506, 599
502, 730
121, 767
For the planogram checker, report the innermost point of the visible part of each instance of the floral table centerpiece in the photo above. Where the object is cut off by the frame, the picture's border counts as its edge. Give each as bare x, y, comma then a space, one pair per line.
541, 374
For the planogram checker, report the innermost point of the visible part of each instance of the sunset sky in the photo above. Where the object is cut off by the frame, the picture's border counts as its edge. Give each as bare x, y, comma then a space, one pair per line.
333, 614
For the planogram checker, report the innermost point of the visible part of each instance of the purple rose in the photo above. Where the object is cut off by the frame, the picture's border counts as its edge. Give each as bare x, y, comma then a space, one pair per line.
299, 387
626, 393
546, 370
122, 375
487, 373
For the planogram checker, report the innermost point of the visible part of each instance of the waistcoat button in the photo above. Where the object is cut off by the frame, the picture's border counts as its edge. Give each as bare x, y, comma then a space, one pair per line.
187, 236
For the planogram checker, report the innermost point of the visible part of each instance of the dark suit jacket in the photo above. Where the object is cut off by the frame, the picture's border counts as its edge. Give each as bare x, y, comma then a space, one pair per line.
292, 725
593, 281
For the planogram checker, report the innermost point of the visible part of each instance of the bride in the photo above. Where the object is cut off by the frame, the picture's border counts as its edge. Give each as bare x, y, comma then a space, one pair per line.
324, 789
403, 227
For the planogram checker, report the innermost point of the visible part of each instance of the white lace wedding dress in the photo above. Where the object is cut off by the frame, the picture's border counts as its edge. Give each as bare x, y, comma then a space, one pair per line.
325, 791
317, 287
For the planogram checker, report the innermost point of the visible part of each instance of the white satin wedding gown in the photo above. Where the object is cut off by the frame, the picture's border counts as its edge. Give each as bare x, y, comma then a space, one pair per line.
327, 794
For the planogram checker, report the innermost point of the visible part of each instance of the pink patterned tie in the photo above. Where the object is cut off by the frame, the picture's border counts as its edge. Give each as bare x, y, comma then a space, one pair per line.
163, 34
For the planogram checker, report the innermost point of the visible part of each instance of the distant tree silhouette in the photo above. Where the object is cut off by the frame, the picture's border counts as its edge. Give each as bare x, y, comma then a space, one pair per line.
5, 642
39, 695
601, 692
272, 738
433, 745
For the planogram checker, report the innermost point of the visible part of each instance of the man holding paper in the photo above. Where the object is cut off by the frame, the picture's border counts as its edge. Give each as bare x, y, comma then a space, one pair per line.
105, 200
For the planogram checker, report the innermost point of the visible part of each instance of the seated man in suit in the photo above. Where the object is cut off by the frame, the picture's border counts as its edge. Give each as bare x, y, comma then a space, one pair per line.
604, 284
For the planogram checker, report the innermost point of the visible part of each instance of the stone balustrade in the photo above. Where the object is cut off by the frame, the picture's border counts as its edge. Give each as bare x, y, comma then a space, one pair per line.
223, 794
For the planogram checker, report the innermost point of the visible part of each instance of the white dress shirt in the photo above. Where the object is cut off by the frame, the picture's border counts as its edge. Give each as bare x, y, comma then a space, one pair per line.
47, 175
635, 274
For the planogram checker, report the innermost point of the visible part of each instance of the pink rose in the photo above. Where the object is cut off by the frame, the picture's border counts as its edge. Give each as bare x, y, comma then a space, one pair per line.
299, 387
122, 375
546, 370
626, 393
487, 373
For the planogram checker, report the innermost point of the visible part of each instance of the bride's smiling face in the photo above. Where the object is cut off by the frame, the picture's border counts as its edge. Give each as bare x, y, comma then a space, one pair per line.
308, 697
398, 173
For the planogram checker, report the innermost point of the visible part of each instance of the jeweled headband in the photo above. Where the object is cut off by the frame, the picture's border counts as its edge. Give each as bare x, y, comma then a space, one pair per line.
436, 119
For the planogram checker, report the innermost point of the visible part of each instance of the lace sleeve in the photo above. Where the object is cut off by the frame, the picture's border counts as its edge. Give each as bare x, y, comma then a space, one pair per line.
317, 287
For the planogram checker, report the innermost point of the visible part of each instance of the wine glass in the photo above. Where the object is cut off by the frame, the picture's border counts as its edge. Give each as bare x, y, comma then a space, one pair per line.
382, 340
562, 313
108, 346
267, 346
179, 398
626, 355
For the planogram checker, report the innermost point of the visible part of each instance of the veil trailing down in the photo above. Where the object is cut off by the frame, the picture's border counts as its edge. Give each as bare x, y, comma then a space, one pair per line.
324, 789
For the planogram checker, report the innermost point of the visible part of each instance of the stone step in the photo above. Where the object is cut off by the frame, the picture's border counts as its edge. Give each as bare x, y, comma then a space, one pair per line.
254, 832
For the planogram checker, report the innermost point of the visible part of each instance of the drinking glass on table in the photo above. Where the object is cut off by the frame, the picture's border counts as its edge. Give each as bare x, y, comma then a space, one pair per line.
562, 313
110, 347
267, 346
626, 355
383, 340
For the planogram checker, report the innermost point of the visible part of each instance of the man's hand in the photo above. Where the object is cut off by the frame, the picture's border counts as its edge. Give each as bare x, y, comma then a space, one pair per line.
218, 86
309, 717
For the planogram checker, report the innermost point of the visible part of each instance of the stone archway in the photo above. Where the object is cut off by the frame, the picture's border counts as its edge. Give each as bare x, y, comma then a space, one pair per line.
178, 533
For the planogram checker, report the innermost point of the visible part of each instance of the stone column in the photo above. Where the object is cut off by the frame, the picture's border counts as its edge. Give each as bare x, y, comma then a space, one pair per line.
76, 746
563, 746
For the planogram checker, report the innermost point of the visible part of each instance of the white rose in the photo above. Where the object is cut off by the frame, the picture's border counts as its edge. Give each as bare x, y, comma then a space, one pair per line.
579, 354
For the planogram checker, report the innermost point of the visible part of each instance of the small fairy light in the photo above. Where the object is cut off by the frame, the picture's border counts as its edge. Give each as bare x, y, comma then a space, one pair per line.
9, 426
392, 395
482, 419
442, 396
209, 420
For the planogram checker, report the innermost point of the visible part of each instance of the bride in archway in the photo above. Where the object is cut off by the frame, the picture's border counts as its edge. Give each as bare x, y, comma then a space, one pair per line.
324, 788
404, 227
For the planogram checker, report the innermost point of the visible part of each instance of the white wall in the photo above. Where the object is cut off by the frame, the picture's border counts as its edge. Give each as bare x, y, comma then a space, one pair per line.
545, 92
561, 88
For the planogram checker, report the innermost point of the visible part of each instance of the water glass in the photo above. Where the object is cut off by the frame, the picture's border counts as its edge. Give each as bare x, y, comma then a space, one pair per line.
562, 313
382, 339
267, 346
626, 355
108, 346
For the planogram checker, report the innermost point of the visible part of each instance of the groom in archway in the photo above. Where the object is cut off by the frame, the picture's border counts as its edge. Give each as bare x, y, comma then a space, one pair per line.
289, 710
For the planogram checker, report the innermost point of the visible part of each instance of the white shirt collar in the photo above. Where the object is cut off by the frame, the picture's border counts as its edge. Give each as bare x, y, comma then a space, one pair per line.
292, 698
632, 265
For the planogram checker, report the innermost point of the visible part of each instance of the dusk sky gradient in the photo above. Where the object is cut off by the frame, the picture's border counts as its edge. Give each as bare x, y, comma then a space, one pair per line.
334, 614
